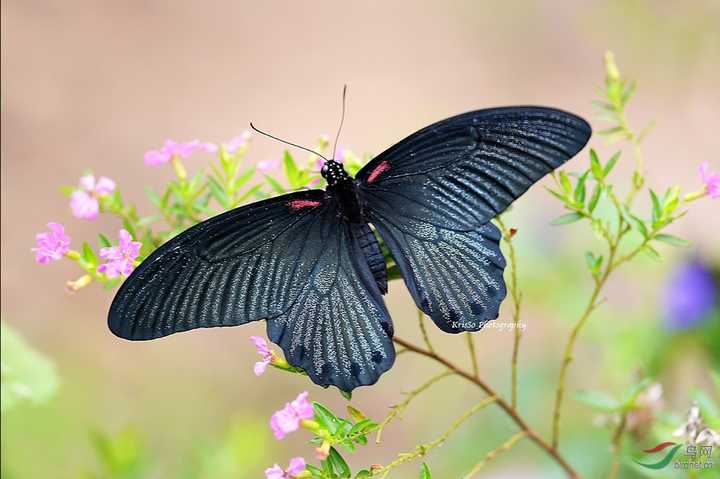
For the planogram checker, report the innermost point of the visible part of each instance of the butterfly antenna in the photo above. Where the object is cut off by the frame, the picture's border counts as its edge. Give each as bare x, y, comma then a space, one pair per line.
342, 120
287, 142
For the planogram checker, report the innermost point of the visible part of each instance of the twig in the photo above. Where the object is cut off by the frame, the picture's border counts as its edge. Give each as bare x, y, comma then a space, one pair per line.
399, 408
617, 447
421, 323
507, 445
516, 300
423, 449
473, 354
503, 404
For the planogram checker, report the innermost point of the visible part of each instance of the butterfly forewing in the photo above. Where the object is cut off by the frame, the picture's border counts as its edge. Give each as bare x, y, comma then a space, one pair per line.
462, 172
244, 265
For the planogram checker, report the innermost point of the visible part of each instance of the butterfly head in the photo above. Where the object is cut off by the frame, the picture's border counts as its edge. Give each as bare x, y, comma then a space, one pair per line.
334, 173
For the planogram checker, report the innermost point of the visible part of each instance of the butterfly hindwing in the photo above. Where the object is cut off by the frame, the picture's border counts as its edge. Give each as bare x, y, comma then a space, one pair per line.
247, 264
338, 330
432, 197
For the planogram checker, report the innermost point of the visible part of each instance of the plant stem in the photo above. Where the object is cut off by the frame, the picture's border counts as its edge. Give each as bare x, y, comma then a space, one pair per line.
399, 408
617, 447
423, 330
507, 445
516, 300
473, 354
570, 345
502, 403
423, 449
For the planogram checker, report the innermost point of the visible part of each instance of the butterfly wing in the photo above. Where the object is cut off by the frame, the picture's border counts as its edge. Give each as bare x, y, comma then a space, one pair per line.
247, 264
291, 260
432, 196
338, 330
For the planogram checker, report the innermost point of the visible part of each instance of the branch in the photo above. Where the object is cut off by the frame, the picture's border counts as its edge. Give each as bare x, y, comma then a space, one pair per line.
399, 408
423, 449
503, 404
516, 300
507, 445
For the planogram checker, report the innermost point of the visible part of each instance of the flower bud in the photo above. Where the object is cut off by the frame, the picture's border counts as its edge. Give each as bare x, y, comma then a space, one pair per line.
81, 282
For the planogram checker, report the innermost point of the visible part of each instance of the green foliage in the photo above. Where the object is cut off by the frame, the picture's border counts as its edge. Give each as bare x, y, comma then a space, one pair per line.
27, 375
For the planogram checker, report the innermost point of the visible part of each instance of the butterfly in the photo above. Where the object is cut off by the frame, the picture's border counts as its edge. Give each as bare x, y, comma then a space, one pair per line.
310, 264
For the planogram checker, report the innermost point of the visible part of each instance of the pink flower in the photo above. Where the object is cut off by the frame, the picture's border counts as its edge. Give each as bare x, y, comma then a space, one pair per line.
296, 466
340, 154
172, 148
264, 351
711, 180
237, 142
53, 245
287, 419
84, 201
267, 165
120, 258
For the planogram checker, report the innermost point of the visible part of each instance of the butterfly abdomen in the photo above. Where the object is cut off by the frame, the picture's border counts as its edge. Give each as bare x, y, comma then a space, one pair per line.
373, 255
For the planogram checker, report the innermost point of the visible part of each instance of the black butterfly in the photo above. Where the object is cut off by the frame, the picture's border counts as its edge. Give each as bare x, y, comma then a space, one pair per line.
309, 263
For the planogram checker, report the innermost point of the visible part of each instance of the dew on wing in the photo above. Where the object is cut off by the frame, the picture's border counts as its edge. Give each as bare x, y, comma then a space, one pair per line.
379, 169
296, 205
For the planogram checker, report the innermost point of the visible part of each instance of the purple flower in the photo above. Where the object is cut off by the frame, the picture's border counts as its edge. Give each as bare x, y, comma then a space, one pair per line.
296, 466
287, 419
267, 165
120, 258
711, 180
264, 351
172, 148
690, 295
53, 245
84, 201
237, 142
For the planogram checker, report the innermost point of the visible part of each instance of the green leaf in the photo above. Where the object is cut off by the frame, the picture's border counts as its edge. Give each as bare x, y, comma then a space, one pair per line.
425, 472
557, 195
593, 263
611, 163
565, 183
27, 375
252, 191
598, 400
595, 198
580, 190
275, 184
88, 255
611, 131
326, 418
673, 240
632, 393
356, 414
651, 252
595, 166
104, 241
638, 180
363, 474
291, 170
338, 463
244, 177
393, 273
567, 218
68, 190
346, 394
218, 192
656, 208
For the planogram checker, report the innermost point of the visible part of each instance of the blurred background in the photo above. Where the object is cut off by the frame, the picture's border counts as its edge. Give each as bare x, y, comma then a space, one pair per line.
93, 85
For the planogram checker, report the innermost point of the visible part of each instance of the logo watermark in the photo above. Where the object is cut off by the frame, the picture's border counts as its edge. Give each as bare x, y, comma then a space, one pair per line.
695, 457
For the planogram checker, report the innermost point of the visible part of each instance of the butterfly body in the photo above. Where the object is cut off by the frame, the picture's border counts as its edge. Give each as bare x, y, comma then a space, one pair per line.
311, 266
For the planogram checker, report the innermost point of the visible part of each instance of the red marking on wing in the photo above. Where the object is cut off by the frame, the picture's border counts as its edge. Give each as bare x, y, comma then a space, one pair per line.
297, 205
660, 446
379, 169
